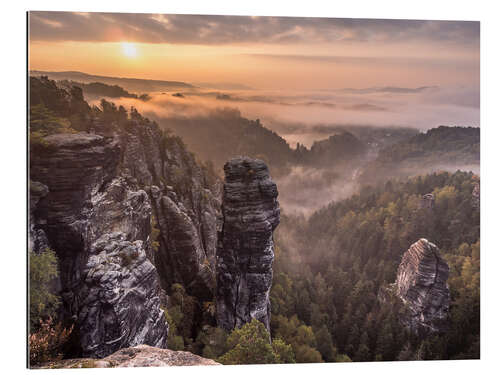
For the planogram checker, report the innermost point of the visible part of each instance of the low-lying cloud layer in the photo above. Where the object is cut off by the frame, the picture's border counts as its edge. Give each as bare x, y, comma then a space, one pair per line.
305, 117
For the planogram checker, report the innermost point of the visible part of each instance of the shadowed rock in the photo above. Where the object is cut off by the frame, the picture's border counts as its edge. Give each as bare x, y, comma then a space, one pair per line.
421, 285
99, 225
245, 250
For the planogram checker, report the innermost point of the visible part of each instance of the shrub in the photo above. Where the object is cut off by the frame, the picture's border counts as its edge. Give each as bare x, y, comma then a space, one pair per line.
283, 351
46, 343
212, 342
249, 345
42, 271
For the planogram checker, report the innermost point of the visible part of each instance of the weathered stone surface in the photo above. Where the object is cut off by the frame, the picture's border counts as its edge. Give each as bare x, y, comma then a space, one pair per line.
182, 201
421, 285
89, 205
182, 257
138, 356
120, 292
245, 249
99, 225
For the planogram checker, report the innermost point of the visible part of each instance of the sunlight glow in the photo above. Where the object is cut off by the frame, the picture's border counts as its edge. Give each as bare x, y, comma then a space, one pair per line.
129, 49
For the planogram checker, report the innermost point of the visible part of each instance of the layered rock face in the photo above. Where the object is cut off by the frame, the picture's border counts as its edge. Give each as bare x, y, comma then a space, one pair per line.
421, 285
245, 250
94, 199
186, 207
99, 225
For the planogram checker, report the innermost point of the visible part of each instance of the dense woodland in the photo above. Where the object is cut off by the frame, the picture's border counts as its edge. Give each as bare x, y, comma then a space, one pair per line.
329, 268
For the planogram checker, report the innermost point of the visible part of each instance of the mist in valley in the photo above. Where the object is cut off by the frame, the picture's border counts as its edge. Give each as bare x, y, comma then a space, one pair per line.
377, 116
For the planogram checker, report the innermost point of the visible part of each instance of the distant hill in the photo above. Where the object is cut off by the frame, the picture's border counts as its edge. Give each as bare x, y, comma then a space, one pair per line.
441, 148
98, 90
336, 148
132, 84
224, 86
225, 134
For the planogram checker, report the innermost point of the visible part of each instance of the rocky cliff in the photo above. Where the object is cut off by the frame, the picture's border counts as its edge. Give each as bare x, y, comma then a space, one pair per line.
97, 198
99, 224
421, 285
245, 250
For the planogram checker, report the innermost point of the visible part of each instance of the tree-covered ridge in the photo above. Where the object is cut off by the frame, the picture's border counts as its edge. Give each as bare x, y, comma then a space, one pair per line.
436, 149
225, 134
48, 100
441, 140
335, 149
130, 84
99, 89
330, 269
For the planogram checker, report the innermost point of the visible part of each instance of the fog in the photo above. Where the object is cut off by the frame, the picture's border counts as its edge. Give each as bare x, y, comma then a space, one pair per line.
305, 190
306, 117
297, 115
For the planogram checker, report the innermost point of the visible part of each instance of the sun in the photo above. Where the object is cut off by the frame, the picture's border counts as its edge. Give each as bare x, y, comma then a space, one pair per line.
129, 49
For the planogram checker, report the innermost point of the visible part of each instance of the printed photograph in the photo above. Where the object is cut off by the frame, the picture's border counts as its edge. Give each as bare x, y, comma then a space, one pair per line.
235, 190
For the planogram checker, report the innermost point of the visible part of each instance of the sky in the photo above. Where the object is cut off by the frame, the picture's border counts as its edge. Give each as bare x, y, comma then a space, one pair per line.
261, 52
308, 71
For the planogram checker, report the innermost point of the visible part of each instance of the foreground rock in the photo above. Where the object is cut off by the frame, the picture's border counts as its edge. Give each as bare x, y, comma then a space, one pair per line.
99, 225
421, 285
245, 249
139, 356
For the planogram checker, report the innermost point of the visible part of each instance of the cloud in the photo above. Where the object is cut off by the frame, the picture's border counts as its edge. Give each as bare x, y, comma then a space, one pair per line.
216, 30
364, 107
390, 90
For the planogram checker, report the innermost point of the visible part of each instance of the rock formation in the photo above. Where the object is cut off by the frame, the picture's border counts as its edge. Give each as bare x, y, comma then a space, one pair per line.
99, 225
421, 285
427, 201
245, 250
476, 195
186, 207
138, 356
95, 197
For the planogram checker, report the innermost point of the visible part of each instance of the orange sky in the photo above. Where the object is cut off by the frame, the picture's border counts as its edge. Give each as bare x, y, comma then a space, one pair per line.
261, 52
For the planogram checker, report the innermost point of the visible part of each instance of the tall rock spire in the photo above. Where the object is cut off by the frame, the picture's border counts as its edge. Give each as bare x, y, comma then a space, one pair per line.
245, 249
